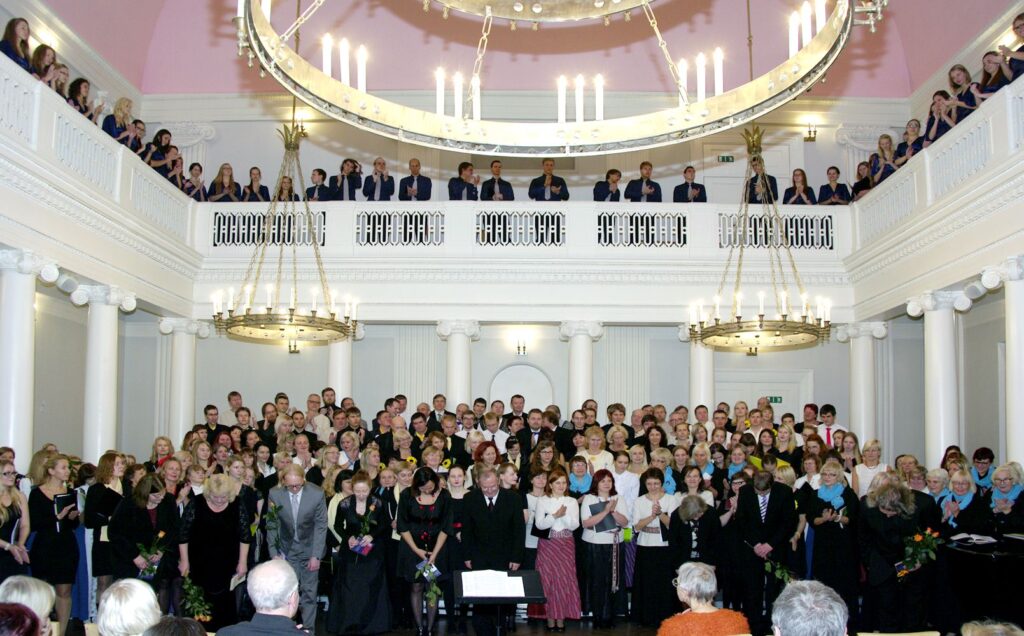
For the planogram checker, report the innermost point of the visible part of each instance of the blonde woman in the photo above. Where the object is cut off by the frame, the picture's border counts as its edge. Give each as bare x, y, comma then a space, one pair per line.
883, 162
33, 594
661, 458
370, 461
202, 456
849, 451
1006, 491
53, 512
403, 446
833, 513
871, 465
14, 523
637, 460
963, 509
100, 502
118, 124
163, 448
224, 188
787, 445
595, 454
617, 438
348, 444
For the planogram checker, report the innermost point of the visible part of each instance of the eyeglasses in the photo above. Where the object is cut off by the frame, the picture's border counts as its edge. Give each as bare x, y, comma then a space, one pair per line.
8, 473
998, 480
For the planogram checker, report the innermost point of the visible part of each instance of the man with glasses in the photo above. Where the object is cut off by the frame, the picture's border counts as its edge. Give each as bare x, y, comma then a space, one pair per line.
982, 470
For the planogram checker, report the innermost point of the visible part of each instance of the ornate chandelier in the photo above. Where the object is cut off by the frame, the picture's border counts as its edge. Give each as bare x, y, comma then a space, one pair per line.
241, 315
710, 112
791, 326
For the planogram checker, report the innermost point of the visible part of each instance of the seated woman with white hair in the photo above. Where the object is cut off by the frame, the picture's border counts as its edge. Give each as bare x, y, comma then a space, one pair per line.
34, 594
127, 608
696, 586
963, 509
1006, 490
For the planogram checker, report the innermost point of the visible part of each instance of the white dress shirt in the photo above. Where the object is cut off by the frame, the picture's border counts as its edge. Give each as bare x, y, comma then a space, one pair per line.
644, 507
547, 506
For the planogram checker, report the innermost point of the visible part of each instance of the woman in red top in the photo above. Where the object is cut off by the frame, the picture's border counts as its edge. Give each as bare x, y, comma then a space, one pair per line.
697, 586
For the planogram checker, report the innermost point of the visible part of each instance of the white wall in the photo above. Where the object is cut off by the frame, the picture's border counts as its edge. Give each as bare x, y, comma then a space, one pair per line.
59, 377
983, 331
902, 354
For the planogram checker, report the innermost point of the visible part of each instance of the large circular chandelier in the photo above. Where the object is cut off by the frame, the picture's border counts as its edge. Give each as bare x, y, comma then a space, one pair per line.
465, 130
795, 323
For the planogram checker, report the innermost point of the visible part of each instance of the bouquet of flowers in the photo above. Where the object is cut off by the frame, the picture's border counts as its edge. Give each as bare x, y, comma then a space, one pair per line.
366, 523
429, 572
194, 601
274, 524
152, 554
779, 571
918, 550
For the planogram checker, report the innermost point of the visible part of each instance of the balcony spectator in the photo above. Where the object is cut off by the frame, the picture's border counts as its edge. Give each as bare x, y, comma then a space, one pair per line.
118, 124
992, 77
176, 168
548, 186
643, 190
913, 142
762, 187
285, 191
608, 190
156, 151
78, 98
319, 190
496, 188
379, 186
15, 43
940, 119
415, 187
883, 162
224, 187
863, 184
962, 97
255, 191
799, 193
689, 191
464, 186
44, 60
351, 176
833, 192
61, 77
194, 186
1014, 66
135, 144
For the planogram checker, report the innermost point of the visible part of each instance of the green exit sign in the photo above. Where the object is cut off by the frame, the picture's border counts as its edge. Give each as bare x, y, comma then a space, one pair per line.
774, 399
726, 159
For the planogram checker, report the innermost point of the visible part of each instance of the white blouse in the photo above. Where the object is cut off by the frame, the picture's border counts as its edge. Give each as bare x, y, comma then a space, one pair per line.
602, 461
547, 507
644, 507
589, 534
627, 485
865, 475
531, 515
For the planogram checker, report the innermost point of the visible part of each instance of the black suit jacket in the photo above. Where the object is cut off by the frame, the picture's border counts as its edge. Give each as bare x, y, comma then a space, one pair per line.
493, 539
263, 624
504, 188
387, 188
602, 190
424, 186
433, 423
458, 451
318, 193
634, 191
778, 526
752, 196
681, 193
537, 189
354, 183
525, 437
457, 190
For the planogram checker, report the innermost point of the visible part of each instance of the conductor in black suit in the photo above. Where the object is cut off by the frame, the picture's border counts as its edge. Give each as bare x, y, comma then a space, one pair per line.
762, 187
688, 191
493, 537
549, 186
415, 187
766, 519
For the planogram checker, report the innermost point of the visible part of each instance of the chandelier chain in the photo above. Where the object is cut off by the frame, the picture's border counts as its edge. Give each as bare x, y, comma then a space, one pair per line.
478, 63
672, 69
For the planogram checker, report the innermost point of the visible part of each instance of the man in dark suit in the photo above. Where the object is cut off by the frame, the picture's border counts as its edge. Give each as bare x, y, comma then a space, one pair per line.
434, 419
643, 190
496, 188
415, 187
688, 191
212, 424
766, 519
379, 185
762, 187
464, 186
274, 591
518, 403
534, 432
549, 186
493, 537
608, 190
350, 176
319, 190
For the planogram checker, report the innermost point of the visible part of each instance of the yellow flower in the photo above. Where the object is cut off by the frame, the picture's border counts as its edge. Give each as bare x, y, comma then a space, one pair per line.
161, 535
918, 538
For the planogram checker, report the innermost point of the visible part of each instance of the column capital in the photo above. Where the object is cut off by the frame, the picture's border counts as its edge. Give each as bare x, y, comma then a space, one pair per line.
104, 295
590, 328
184, 325
852, 330
1011, 269
28, 262
936, 300
684, 332
469, 328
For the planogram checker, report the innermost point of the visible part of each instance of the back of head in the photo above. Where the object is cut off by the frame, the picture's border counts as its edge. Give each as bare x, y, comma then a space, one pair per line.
127, 608
809, 608
17, 620
34, 594
176, 626
272, 585
990, 628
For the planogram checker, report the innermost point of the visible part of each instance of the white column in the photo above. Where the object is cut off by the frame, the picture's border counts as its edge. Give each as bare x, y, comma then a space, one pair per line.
861, 336
182, 408
702, 371
581, 336
1011, 275
99, 429
941, 386
459, 378
18, 272
339, 363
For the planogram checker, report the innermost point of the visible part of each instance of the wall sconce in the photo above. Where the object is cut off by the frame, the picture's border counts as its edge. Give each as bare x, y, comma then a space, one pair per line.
521, 346
812, 133
293, 346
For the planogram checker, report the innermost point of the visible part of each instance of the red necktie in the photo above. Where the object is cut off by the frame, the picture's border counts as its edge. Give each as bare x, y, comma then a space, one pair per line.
828, 436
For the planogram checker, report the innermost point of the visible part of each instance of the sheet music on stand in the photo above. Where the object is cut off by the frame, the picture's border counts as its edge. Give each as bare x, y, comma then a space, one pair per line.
491, 583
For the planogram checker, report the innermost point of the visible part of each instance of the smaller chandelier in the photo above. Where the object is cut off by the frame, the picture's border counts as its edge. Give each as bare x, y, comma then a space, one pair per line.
241, 315
791, 327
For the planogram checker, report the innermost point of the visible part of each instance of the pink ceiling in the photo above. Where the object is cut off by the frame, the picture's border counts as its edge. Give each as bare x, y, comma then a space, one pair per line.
188, 46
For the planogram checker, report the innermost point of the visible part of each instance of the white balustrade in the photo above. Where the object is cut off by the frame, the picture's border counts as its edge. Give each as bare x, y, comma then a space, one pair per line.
642, 229
380, 226
18, 94
798, 231
516, 227
968, 154
83, 150
893, 201
159, 201
231, 228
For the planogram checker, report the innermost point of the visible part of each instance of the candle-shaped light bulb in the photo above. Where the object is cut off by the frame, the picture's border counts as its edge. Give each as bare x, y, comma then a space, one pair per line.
315, 291
783, 296
334, 301
693, 314
819, 15
213, 301
328, 55
718, 307
241, 8
344, 62
361, 57
291, 298
599, 97
828, 310
439, 91
231, 298
805, 22
719, 58
702, 76
794, 33
563, 87
355, 307
457, 94
760, 303
578, 94
266, 9
817, 311
270, 292
804, 304
684, 85
739, 304
474, 93
700, 310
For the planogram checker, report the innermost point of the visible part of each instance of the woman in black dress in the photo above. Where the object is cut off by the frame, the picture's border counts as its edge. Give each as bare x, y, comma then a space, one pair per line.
54, 553
219, 523
424, 523
14, 525
832, 510
456, 486
100, 502
148, 518
694, 533
359, 599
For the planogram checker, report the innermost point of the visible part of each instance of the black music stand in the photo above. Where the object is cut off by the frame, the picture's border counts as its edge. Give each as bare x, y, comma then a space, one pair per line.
533, 592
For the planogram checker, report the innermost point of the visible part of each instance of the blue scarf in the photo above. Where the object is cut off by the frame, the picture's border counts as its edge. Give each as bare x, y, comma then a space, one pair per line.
962, 500
735, 468
670, 482
580, 484
1010, 496
942, 495
982, 482
832, 495
708, 470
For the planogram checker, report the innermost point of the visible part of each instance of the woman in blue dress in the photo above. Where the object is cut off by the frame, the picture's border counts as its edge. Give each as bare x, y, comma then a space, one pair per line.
913, 142
15, 43
176, 173
883, 162
255, 191
833, 192
118, 124
156, 153
962, 98
194, 186
78, 98
992, 77
285, 191
224, 188
940, 119
799, 193
1013, 67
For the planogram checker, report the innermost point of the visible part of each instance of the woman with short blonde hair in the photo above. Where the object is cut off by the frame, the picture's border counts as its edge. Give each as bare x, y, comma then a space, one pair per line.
128, 608
870, 465
963, 508
34, 594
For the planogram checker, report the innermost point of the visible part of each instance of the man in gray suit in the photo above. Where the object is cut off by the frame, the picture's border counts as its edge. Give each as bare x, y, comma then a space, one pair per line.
299, 534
